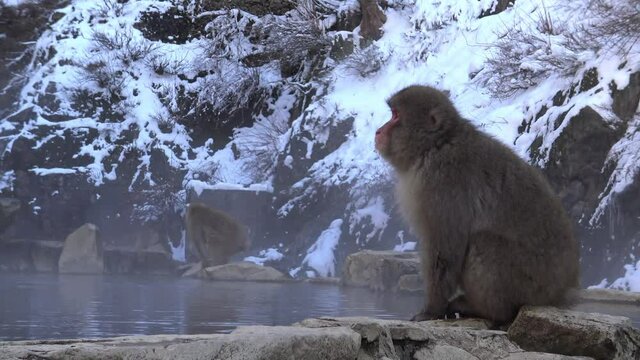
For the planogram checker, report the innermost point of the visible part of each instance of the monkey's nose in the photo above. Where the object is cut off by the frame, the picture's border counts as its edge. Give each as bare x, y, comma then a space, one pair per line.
378, 132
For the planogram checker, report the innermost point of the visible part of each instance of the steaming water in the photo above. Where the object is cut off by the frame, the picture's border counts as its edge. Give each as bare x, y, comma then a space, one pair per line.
50, 306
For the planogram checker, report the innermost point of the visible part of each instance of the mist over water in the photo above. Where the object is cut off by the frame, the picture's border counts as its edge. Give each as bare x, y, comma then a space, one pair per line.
66, 306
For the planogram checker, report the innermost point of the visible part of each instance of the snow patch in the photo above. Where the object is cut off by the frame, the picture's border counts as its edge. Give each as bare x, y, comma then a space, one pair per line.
6, 180
53, 171
375, 213
178, 253
320, 256
270, 254
408, 246
631, 279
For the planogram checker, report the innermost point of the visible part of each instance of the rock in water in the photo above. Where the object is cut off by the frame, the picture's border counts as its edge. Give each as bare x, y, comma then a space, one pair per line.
379, 270
82, 252
243, 271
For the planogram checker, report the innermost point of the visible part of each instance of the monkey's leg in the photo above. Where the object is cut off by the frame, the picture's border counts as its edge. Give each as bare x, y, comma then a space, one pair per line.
494, 280
459, 307
199, 241
442, 264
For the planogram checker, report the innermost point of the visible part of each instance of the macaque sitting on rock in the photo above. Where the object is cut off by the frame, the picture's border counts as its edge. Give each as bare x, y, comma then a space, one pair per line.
494, 237
215, 235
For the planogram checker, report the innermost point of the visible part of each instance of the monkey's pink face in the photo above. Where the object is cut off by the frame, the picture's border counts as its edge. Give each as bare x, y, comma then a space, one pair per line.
383, 134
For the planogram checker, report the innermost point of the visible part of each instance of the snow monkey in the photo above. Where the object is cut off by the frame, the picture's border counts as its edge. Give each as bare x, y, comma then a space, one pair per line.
215, 235
493, 235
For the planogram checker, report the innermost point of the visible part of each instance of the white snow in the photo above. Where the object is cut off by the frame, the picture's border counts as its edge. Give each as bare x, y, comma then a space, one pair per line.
270, 254
408, 246
630, 281
375, 213
6, 180
53, 171
320, 256
178, 253
15, 2
625, 154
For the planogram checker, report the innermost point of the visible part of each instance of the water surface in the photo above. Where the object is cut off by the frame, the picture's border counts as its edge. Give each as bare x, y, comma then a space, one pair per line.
46, 306
74, 306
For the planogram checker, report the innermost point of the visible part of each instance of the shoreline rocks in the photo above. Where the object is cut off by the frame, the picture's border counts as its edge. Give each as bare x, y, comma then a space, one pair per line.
566, 335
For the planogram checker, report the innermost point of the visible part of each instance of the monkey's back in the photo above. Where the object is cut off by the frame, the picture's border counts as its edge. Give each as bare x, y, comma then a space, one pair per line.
535, 218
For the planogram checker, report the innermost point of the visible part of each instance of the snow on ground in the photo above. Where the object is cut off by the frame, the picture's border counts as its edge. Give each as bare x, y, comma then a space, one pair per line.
270, 254
629, 282
408, 246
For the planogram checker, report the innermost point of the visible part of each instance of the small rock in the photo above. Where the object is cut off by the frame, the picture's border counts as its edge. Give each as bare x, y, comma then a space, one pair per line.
566, 332
82, 252
626, 101
193, 270
243, 271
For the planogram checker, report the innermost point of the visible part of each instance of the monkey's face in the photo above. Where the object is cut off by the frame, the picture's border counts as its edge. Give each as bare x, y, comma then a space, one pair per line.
421, 118
383, 134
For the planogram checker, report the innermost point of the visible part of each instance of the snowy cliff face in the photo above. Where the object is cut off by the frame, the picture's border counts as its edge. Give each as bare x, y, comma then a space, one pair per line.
130, 107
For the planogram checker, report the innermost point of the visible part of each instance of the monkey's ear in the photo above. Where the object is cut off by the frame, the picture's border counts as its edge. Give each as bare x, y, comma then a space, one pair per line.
435, 118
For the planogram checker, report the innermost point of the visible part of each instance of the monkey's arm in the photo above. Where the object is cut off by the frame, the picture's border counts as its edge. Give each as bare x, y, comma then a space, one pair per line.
443, 263
203, 239
449, 217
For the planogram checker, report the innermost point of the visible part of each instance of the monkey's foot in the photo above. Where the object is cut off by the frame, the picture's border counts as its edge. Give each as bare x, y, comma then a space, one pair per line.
424, 316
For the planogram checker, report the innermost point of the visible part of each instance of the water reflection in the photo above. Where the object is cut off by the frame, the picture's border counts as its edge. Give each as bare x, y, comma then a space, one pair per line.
72, 306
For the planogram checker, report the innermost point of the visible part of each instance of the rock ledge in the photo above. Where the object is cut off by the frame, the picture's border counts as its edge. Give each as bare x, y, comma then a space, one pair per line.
368, 338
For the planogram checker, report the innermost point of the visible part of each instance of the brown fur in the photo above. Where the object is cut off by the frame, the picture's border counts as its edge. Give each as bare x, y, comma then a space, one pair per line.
215, 235
490, 224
